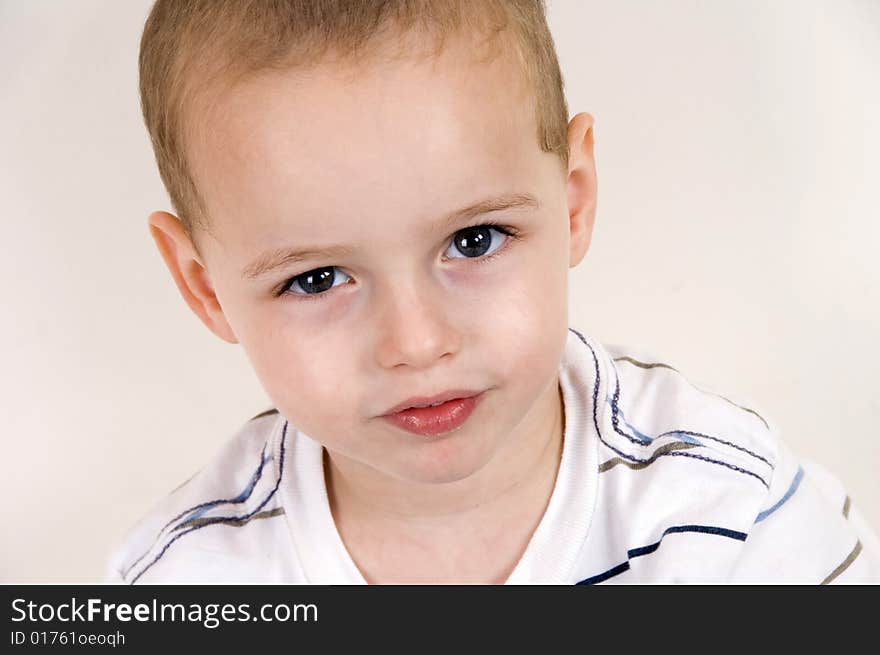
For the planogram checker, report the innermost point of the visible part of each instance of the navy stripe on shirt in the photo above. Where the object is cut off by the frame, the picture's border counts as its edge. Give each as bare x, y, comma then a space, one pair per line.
647, 550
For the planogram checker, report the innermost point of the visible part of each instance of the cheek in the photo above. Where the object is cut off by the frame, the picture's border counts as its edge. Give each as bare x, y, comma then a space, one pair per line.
520, 315
303, 372
535, 282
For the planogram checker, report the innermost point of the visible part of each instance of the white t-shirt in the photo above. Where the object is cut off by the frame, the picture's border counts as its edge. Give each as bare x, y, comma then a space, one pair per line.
660, 482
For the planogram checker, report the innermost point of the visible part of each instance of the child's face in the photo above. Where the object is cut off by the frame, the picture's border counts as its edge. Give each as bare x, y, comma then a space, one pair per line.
374, 163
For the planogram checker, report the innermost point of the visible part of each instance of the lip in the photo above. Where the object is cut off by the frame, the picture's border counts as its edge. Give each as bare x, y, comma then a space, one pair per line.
433, 421
452, 394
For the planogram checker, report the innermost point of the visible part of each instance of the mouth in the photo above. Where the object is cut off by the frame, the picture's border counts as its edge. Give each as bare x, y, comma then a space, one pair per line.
421, 402
436, 415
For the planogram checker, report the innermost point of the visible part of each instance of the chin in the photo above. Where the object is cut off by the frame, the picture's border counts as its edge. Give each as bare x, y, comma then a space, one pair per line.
445, 461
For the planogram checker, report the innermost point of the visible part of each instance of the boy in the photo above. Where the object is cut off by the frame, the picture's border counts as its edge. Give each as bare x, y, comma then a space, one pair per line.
381, 201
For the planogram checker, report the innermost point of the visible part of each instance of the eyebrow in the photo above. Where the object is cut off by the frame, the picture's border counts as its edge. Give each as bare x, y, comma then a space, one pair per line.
273, 259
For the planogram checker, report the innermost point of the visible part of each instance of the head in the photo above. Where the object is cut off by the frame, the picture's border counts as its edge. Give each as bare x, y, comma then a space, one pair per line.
331, 165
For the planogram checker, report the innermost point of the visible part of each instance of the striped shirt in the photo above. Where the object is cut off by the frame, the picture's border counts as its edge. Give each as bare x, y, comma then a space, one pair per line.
660, 482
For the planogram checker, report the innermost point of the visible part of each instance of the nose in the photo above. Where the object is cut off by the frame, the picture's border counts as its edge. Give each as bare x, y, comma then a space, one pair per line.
414, 327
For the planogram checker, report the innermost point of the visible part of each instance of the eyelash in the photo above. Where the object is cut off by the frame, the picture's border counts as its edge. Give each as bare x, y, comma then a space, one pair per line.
510, 232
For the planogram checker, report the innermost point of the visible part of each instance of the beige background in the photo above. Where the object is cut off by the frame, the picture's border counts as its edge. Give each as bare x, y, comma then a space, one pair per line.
739, 158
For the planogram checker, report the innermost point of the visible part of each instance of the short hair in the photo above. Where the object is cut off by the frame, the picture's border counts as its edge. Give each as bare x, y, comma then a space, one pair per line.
189, 47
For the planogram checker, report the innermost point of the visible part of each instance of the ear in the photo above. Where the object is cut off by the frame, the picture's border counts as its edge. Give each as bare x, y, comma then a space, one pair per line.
581, 186
190, 275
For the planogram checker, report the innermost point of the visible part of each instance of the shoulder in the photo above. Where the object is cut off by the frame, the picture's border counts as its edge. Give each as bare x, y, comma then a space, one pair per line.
688, 476
647, 389
654, 420
191, 534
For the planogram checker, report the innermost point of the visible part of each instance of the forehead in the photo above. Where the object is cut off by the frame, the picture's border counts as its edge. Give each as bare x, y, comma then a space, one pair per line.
368, 140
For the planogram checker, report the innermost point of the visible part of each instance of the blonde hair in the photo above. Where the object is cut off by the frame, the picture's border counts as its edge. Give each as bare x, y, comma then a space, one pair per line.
191, 46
